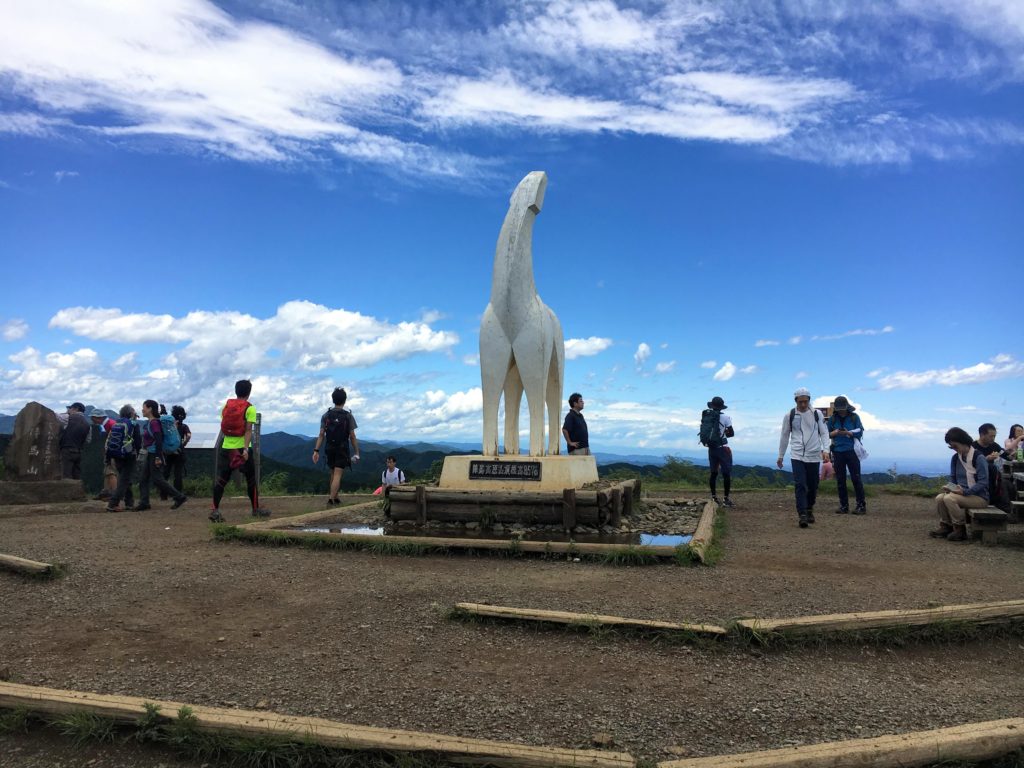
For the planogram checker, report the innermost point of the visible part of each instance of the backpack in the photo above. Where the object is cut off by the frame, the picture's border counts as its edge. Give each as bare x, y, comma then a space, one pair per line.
172, 440
232, 419
336, 427
792, 414
120, 439
711, 428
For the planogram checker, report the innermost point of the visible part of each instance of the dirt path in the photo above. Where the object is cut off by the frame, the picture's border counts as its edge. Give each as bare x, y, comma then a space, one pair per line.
153, 607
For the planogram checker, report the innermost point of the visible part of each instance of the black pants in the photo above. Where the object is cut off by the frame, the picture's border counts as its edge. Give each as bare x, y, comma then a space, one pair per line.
125, 468
71, 463
151, 473
174, 462
224, 471
805, 479
841, 460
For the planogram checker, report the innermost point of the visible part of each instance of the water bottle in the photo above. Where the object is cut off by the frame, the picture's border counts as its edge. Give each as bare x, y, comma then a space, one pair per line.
1020, 452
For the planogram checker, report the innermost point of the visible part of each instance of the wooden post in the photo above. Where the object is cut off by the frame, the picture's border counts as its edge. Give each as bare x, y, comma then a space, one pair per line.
616, 516
569, 508
421, 505
627, 500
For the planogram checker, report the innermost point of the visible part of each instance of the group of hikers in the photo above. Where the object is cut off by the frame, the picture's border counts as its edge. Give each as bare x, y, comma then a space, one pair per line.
827, 442
822, 442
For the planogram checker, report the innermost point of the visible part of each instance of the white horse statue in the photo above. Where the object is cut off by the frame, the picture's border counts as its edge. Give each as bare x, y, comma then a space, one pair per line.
521, 345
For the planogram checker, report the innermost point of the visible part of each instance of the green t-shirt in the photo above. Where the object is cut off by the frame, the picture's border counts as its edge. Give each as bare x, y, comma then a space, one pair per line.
239, 442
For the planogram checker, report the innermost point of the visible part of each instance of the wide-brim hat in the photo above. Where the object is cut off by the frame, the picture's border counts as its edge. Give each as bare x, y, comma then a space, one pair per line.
96, 413
842, 404
717, 403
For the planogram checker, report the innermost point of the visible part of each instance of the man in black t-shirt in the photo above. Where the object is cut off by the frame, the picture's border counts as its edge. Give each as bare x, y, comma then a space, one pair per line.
574, 428
74, 435
986, 445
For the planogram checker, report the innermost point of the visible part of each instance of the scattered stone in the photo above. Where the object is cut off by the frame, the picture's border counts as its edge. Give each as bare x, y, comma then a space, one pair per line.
678, 750
602, 739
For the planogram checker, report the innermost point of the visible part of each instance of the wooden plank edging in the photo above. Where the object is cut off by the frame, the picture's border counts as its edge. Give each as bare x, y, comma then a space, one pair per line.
327, 733
705, 531
971, 743
308, 517
21, 565
567, 617
975, 613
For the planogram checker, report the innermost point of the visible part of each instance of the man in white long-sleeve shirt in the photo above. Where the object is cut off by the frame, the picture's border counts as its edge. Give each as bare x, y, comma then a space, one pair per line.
805, 432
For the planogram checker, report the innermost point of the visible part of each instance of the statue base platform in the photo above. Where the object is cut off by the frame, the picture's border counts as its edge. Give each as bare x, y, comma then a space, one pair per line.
40, 491
517, 473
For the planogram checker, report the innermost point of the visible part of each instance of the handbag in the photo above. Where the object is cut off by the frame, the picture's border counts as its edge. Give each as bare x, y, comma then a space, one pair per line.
858, 448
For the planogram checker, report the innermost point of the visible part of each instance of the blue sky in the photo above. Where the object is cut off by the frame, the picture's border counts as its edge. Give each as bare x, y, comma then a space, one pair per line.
743, 198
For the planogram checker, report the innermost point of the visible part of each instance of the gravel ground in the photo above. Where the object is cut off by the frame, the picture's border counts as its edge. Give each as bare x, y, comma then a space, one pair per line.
153, 607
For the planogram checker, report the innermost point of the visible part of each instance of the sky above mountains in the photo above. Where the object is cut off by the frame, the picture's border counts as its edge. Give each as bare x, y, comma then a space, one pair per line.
743, 198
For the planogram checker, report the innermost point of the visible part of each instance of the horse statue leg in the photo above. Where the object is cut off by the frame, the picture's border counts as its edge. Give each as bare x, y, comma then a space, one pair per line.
513, 399
495, 359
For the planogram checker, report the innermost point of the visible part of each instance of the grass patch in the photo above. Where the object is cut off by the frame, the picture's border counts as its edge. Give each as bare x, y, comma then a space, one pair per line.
14, 720
83, 727
629, 555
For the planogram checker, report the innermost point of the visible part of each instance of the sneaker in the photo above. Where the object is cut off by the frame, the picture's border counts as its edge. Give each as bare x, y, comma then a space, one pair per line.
101, 496
216, 516
112, 509
959, 533
941, 532
843, 511
804, 521
728, 502
715, 499
143, 508
810, 516
179, 501
860, 510
261, 512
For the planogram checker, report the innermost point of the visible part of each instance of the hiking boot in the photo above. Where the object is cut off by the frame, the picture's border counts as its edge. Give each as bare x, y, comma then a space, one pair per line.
715, 499
959, 533
728, 502
843, 511
112, 509
804, 521
179, 501
810, 515
143, 508
101, 496
860, 510
262, 512
941, 532
216, 516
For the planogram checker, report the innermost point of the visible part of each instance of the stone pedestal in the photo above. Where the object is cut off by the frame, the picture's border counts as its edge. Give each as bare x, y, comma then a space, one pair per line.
41, 492
34, 451
517, 473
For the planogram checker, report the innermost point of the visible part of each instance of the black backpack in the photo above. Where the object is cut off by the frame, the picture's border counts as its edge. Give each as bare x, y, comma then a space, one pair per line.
336, 427
792, 415
711, 428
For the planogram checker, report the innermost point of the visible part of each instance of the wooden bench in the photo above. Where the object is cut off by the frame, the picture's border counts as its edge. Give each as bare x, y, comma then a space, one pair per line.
987, 523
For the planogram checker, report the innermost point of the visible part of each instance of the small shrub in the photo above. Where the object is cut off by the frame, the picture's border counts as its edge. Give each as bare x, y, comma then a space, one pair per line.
83, 727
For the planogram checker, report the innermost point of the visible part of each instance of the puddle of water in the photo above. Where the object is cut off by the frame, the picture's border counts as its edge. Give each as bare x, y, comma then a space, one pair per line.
646, 539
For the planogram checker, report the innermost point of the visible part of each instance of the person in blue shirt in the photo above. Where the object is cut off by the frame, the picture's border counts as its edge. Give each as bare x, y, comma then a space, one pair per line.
967, 487
844, 426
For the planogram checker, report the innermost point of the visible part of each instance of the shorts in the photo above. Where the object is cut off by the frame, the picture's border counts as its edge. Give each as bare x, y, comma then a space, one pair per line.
337, 458
720, 459
109, 468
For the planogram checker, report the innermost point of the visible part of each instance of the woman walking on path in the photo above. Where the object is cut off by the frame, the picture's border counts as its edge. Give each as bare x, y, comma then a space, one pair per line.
152, 467
175, 462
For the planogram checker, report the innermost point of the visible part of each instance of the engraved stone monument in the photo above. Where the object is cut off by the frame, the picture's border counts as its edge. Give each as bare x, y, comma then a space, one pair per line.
32, 461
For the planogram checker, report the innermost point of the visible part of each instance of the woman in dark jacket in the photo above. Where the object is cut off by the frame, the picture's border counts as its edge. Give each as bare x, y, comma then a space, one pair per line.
153, 463
967, 487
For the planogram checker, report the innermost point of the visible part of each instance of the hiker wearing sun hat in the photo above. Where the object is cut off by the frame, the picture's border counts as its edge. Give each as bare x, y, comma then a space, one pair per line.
805, 434
844, 427
715, 429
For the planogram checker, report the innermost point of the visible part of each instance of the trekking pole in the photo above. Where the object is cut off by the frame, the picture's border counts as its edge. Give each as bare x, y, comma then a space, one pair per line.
256, 451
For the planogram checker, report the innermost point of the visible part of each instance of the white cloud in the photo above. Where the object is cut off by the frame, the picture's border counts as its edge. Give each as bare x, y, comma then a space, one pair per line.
855, 332
564, 27
14, 329
766, 343
801, 375
471, 359
61, 175
592, 345
876, 373
709, 364
874, 423
1001, 367
795, 339
726, 372
665, 367
748, 369
643, 352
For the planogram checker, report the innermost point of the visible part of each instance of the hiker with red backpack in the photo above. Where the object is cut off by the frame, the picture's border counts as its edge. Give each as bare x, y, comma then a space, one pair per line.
236, 424
156, 440
337, 430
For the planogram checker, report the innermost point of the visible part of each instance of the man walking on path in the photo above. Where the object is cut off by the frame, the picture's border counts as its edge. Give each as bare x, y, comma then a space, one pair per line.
844, 427
715, 431
805, 432
75, 434
337, 430
236, 420
574, 428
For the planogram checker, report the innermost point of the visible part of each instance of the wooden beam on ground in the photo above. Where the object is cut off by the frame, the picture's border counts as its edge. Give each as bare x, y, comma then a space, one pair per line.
312, 517
615, 519
328, 733
569, 508
974, 613
21, 565
566, 617
964, 743
440, 542
705, 531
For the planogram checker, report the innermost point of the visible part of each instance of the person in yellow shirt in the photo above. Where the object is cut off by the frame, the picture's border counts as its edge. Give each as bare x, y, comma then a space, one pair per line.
236, 420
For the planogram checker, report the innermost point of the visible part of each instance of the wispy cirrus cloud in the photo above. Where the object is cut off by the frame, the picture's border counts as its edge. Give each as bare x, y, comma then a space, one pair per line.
13, 329
855, 332
999, 367
766, 343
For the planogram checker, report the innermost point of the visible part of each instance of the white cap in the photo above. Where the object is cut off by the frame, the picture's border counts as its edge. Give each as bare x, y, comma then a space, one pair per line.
802, 392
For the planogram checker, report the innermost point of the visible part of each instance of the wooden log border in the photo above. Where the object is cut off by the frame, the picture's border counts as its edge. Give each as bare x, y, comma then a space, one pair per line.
964, 743
328, 733
28, 567
586, 619
705, 533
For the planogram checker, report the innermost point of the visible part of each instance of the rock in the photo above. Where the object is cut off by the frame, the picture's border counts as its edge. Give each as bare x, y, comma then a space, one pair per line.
678, 751
262, 704
34, 451
602, 739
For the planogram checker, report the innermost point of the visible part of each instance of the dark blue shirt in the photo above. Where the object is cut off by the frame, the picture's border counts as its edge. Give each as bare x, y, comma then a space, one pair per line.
576, 426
